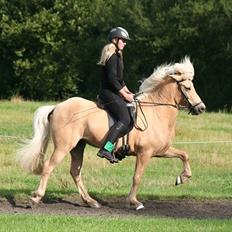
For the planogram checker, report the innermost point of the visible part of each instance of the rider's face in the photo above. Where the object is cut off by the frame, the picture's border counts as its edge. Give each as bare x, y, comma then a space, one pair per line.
121, 43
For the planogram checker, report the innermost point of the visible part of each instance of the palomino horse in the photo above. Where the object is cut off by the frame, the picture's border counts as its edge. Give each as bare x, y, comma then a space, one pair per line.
76, 122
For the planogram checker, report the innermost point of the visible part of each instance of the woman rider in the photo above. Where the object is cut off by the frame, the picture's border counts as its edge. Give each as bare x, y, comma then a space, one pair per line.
114, 93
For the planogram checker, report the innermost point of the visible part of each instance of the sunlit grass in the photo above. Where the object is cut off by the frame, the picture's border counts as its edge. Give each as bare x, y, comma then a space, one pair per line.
53, 223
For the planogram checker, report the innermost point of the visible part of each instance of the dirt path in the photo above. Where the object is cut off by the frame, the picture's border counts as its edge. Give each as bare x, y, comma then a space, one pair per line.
117, 207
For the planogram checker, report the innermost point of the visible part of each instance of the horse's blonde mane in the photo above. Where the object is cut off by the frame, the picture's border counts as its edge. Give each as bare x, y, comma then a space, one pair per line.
184, 69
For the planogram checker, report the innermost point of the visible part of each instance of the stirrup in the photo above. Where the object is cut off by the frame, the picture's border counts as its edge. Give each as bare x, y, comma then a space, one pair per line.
107, 155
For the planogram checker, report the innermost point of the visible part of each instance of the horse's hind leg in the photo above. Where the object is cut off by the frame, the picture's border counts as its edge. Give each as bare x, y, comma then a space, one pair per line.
177, 153
76, 164
49, 166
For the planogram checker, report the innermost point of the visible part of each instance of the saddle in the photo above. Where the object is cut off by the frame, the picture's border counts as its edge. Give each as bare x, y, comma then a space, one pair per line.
123, 151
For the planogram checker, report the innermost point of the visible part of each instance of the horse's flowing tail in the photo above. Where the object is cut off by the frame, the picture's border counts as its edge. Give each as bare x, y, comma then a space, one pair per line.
31, 155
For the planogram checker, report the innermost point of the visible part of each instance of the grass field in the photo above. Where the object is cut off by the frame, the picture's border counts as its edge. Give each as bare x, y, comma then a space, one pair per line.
40, 223
207, 138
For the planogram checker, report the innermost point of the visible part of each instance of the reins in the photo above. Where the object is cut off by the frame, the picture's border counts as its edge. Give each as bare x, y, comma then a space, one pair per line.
158, 104
155, 103
139, 103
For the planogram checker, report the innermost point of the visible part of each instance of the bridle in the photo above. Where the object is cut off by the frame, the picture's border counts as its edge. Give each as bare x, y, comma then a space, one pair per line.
190, 107
177, 106
139, 103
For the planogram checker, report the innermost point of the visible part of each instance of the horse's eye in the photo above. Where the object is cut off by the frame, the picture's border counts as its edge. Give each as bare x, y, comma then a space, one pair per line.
187, 88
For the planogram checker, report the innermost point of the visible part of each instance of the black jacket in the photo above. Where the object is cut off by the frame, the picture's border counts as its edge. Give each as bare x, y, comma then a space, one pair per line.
112, 77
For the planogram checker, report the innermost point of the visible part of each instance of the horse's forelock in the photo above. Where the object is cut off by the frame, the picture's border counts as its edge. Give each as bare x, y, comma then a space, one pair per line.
185, 68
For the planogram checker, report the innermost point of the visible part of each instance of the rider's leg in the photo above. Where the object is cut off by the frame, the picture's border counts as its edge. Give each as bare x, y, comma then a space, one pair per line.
117, 108
107, 150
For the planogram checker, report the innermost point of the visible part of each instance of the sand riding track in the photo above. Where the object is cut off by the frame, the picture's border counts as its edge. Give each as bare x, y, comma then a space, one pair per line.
183, 208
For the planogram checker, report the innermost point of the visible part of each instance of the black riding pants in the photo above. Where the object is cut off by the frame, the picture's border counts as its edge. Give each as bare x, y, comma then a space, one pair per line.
117, 108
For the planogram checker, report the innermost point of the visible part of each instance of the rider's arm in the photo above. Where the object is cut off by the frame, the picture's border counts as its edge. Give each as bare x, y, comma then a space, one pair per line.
113, 79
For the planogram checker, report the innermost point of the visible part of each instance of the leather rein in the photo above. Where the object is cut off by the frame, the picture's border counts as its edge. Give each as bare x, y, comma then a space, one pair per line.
138, 105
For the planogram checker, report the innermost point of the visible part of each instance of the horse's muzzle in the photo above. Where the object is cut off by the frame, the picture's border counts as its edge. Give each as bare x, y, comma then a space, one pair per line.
198, 109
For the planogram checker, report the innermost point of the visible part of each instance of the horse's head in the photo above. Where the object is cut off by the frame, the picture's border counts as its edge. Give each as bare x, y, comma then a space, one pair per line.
183, 75
180, 73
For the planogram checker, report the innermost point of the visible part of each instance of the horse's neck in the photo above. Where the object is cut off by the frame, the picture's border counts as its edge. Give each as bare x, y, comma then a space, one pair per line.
164, 97
164, 93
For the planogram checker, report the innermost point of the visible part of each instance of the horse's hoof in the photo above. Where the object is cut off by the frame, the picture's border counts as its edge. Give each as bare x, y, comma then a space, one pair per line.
141, 206
91, 203
33, 202
179, 180
95, 205
35, 199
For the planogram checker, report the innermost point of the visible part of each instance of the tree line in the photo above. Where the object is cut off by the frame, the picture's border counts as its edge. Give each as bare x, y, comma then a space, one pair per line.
49, 49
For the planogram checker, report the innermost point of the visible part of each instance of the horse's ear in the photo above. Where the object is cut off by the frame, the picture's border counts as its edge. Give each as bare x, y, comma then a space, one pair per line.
176, 76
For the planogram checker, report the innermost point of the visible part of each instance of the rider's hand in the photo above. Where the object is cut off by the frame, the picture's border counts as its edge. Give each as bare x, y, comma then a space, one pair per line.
129, 97
126, 94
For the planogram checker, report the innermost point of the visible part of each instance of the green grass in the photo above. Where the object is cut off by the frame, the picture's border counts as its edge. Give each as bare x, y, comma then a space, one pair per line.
40, 223
211, 166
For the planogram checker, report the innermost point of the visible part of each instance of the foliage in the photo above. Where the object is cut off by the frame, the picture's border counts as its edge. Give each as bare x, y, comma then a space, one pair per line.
49, 49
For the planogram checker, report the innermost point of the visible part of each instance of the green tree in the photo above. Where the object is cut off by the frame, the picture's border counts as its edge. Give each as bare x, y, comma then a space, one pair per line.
49, 49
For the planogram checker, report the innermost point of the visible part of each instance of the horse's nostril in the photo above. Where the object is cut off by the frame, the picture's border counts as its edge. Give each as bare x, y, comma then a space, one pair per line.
202, 107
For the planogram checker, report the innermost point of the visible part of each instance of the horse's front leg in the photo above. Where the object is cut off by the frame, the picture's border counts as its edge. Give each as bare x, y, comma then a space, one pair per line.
177, 153
141, 162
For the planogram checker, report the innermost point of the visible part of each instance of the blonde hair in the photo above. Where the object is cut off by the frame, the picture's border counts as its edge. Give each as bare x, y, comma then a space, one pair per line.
184, 70
107, 51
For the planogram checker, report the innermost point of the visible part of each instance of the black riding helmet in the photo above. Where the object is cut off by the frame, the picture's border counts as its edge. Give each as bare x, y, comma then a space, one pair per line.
118, 32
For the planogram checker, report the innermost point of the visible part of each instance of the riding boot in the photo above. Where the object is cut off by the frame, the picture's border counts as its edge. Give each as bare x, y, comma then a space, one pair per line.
106, 151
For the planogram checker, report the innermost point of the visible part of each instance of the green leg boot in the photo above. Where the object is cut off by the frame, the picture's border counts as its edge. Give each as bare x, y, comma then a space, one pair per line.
106, 152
